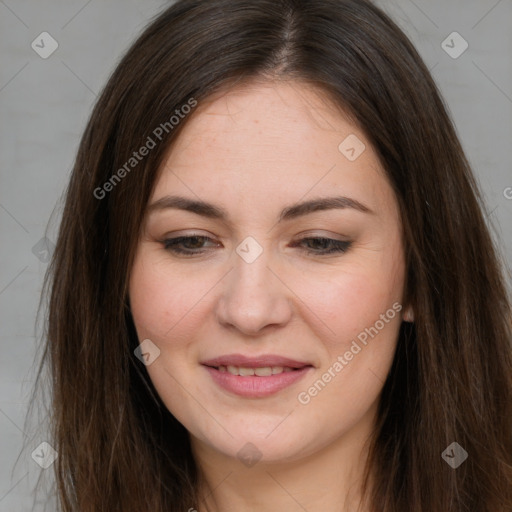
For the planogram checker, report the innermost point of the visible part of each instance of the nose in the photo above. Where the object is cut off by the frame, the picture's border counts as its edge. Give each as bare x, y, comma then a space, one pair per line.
254, 297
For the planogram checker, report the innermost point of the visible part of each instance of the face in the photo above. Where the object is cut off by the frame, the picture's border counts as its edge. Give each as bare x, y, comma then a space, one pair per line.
273, 288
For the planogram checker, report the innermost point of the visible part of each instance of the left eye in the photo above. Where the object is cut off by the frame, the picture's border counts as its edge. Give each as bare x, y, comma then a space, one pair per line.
194, 245
319, 245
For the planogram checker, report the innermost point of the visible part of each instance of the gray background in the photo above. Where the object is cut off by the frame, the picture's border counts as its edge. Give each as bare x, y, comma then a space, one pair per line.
44, 107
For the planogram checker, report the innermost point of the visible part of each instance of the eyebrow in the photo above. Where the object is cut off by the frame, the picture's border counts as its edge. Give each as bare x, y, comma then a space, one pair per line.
290, 212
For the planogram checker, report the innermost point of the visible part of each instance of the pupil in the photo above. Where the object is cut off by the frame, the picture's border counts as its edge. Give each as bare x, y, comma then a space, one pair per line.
196, 241
318, 243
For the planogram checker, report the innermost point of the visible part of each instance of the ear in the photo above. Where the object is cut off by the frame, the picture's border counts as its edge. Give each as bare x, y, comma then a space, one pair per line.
408, 314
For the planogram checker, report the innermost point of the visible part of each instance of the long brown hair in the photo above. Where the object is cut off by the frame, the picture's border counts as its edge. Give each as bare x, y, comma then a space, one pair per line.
451, 380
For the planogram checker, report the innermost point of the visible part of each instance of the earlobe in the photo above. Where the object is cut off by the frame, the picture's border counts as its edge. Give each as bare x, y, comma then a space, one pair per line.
408, 315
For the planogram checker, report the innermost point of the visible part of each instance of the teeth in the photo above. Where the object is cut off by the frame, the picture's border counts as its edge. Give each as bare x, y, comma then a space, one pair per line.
265, 371
233, 370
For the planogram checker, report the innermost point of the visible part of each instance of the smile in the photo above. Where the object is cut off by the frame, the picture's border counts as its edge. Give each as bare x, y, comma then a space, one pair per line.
255, 377
264, 371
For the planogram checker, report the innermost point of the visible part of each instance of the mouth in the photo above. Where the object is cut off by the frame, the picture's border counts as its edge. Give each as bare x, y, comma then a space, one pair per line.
255, 377
263, 371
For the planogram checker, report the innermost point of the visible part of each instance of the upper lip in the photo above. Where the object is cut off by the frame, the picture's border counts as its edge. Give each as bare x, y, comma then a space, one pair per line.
254, 362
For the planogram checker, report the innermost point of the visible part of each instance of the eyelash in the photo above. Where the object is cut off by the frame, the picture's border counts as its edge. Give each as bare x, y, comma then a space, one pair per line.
337, 246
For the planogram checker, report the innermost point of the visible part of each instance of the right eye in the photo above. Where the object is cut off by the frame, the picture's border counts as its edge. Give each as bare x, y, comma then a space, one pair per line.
186, 245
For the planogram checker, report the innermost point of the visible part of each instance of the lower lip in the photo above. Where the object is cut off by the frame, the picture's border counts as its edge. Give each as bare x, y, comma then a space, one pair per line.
254, 386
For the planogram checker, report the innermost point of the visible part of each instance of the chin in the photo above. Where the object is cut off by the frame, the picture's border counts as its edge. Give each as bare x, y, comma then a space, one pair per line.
271, 445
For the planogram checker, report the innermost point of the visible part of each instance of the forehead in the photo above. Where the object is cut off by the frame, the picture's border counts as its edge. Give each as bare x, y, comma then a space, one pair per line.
273, 141
285, 116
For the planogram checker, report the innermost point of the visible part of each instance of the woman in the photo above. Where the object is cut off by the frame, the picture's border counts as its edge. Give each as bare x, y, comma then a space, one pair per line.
273, 287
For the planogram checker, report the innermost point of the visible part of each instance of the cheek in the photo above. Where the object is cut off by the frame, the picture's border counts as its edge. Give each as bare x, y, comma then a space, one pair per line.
361, 318
166, 308
163, 301
349, 300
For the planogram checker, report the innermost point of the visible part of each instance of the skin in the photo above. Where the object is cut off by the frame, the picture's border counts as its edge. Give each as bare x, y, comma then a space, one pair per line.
254, 150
